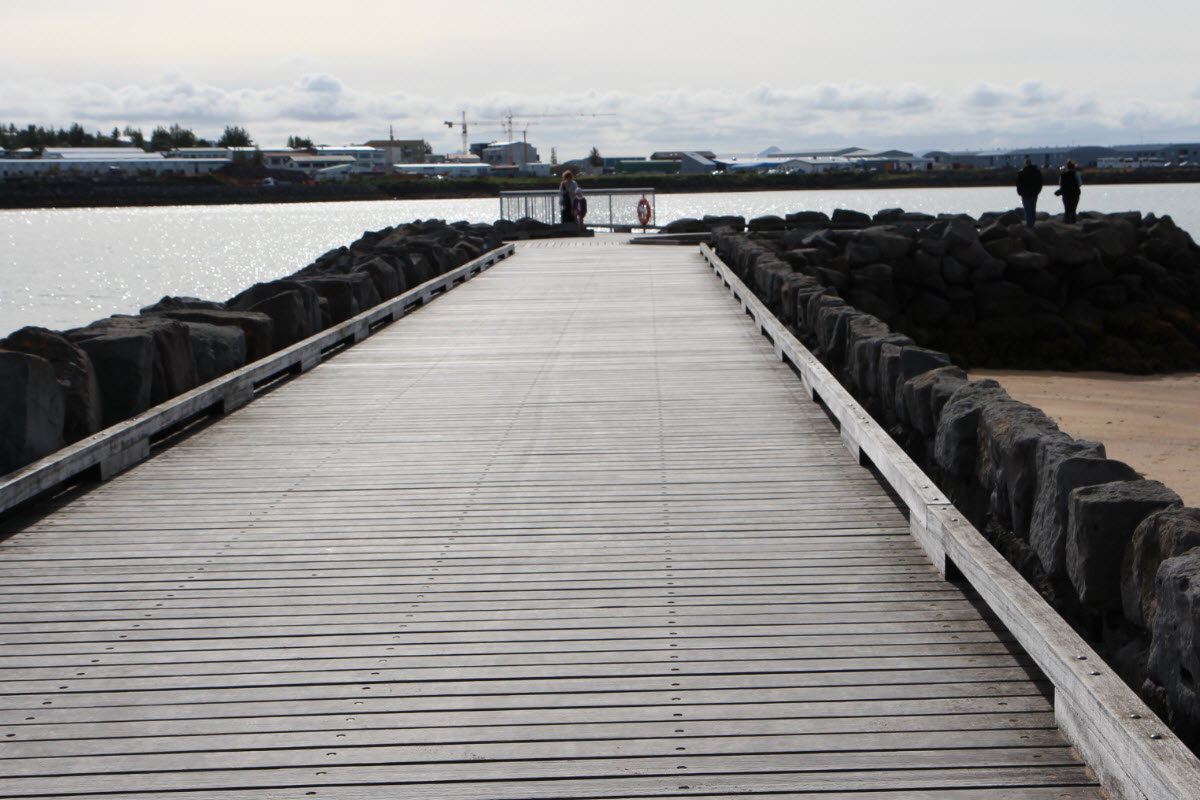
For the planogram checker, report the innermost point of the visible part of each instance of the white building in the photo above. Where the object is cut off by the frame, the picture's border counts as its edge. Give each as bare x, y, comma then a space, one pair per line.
99, 162
510, 153
367, 160
445, 170
201, 152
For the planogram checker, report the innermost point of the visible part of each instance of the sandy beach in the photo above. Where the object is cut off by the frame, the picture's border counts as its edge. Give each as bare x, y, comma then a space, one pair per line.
1152, 423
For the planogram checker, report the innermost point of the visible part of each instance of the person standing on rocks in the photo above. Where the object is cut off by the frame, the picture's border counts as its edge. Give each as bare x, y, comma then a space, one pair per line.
1029, 186
1069, 184
566, 198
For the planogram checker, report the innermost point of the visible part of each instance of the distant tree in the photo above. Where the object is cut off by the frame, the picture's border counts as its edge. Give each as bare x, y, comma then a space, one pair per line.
164, 139
259, 159
135, 135
299, 143
235, 137
594, 158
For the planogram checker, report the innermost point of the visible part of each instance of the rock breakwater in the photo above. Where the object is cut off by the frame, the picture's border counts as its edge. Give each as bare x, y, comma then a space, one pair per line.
62, 386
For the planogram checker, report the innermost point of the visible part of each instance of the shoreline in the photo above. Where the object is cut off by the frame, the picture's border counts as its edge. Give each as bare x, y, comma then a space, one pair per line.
80, 192
1151, 422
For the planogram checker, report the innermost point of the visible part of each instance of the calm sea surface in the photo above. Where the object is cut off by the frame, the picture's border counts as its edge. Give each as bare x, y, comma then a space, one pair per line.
64, 268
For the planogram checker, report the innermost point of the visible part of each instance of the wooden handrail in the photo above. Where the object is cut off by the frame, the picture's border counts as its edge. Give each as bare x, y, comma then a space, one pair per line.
1133, 752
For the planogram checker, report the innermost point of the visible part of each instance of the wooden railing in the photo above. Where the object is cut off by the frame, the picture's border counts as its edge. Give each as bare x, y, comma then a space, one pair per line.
120, 446
1133, 753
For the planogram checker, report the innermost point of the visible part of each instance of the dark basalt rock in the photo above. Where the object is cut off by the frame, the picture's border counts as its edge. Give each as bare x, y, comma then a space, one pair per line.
955, 447
1162, 535
31, 410
1100, 525
124, 364
74, 372
1174, 658
217, 349
257, 328
173, 367
293, 306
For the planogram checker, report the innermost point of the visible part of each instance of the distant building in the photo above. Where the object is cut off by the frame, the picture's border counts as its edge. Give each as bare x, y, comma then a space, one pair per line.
1044, 157
445, 170
402, 151
509, 153
698, 164
777, 161
368, 160
1176, 155
271, 159
103, 162
644, 166
201, 152
321, 167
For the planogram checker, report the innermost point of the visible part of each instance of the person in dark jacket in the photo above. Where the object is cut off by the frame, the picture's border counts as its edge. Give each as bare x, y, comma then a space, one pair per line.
1029, 186
566, 198
1069, 184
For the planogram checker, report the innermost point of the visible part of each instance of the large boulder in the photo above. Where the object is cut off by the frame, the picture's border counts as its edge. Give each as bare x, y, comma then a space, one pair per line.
217, 349
889, 244
1062, 466
1160, 536
845, 217
31, 410
173, 366
300, 324
258, 330
926, 394
900, 362
74, 372
290, 315
1009, 433
955, 445
1100, 525
340, 292
169, 303
1174, 658
416, 269
388, 281
124, 363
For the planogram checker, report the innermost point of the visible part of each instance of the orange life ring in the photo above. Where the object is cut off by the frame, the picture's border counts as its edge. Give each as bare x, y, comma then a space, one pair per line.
643, 209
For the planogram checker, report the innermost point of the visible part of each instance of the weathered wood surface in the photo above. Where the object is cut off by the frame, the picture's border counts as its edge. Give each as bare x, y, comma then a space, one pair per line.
571, 531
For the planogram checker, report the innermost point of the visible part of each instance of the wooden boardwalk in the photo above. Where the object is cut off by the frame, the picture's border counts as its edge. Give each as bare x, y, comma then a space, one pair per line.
570, 531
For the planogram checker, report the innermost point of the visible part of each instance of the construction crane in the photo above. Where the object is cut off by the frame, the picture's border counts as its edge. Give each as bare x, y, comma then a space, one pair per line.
463, 126
507, 123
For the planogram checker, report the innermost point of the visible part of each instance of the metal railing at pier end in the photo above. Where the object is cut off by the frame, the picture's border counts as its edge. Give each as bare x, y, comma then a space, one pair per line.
607, 208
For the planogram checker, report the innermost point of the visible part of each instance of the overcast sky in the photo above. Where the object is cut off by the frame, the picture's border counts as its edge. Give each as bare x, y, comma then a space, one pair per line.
623, 76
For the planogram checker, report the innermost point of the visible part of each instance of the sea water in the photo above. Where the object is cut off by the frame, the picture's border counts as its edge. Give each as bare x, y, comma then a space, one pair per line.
63, 268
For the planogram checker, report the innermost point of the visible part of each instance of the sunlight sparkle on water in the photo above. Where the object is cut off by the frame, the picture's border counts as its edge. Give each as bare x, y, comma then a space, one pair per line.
63, 268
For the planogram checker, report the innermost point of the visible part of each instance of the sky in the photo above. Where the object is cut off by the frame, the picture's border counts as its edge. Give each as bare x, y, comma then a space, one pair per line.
627, 78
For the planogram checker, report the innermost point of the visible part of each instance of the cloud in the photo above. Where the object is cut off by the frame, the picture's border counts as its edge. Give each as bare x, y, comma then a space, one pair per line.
335, 111
1025, 95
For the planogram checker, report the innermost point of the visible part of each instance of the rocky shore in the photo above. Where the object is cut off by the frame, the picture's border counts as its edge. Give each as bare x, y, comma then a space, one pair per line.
896, 304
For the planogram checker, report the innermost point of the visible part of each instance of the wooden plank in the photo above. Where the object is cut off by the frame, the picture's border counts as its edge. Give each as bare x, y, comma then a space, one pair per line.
541, 540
